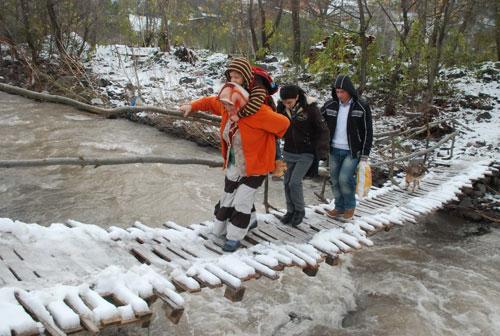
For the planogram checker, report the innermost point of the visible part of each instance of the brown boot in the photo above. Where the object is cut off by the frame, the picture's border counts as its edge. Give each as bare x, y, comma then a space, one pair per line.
349, 213
334, 213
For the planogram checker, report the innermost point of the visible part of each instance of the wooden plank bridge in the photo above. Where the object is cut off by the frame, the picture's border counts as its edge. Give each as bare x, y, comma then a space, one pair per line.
79, 278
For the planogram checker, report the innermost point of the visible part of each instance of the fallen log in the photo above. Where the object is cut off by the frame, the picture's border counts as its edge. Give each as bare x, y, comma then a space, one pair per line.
81, 161
105, 112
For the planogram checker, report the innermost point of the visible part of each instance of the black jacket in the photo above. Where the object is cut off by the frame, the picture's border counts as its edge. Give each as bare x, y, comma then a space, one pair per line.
307, 132
359, 120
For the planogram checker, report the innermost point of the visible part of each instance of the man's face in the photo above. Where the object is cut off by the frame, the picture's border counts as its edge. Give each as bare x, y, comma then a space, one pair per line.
343, 95
236, 77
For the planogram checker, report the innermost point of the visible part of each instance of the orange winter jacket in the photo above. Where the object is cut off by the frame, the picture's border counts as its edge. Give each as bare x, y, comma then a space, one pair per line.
258, 134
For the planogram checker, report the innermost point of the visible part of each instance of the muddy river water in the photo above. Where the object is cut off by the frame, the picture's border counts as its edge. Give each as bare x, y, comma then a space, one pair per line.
433, 278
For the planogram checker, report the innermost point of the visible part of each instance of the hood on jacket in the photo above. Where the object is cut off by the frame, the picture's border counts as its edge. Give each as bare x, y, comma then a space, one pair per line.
344, 82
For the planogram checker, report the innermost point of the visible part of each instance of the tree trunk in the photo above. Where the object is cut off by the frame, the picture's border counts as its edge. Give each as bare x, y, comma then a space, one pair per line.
497, 24
164, 33
263, 23
105, 112
467, 16
265, 33
390, 106
25, 13
414, 68
363, 26
81, 161
56, 28
251, 24
436, 50
296, 31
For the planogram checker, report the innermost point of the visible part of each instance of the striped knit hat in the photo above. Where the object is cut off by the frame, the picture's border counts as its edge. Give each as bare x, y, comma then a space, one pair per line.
243, 67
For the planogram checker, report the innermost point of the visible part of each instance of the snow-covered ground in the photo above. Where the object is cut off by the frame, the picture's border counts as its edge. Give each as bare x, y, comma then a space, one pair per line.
162, 79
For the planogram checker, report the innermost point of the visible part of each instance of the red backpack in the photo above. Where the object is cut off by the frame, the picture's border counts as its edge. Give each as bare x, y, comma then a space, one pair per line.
271, 86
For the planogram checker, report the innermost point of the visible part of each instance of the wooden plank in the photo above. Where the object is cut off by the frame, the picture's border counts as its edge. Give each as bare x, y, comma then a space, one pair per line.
274, 231
258, 237
307, 229
210, 245
173, 311
32, 332
17, 265
169, 256
179, 251
201, 252
86, 322
375, 204
50, 327
6, 275
301, 236
145, 255
271, 230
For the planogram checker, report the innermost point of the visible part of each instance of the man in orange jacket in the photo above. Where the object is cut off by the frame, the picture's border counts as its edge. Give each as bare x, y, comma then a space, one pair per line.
248, 147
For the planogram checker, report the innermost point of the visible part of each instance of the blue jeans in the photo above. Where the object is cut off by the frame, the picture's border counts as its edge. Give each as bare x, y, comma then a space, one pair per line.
342, 173
297, 167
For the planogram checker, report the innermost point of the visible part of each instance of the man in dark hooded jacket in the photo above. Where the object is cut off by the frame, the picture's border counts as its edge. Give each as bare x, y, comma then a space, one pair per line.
350, 122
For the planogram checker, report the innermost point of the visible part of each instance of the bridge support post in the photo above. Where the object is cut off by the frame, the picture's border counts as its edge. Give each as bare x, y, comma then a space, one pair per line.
173, 312
234, 294
311, 270
332, 260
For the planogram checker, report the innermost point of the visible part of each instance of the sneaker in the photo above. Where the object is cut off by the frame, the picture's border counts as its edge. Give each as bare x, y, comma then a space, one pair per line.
334, 213
297, 218
349, 213
231, 245
287, 217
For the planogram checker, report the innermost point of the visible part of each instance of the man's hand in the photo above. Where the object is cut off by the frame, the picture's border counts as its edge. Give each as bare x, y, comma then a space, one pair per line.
186, 109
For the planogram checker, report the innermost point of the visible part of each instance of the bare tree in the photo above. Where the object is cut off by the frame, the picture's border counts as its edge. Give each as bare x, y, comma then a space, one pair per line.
442, 10
320, 9
468, 13
266, 33
296, 31
497, 28
56, 28
364, 20
402, 50
164, 6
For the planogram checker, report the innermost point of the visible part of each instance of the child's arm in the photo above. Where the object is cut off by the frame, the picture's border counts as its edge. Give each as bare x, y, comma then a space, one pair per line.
255, 101
208, 104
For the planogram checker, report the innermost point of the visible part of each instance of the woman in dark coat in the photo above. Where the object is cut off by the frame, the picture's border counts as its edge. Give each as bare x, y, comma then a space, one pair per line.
306, 138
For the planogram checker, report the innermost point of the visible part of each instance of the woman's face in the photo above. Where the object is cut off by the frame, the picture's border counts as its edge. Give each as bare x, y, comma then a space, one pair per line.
236, 77
290, 102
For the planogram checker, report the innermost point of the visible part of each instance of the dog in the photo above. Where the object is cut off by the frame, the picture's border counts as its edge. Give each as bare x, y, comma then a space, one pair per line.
414, 173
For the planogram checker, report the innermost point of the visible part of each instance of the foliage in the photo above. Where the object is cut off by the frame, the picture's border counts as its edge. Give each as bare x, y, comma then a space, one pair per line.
338, 56
397, 68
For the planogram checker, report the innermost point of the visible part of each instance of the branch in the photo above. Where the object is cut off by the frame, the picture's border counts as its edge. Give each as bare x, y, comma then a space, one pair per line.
81, 161
106, 112
403, 40
419, 153
406, 131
